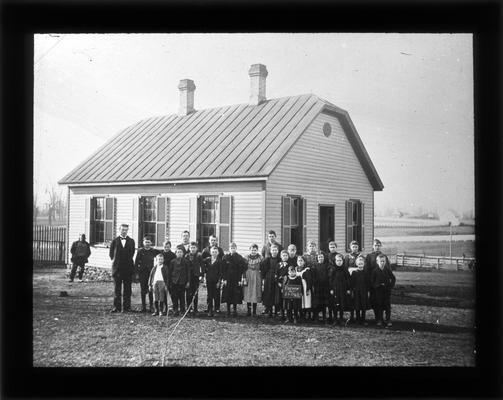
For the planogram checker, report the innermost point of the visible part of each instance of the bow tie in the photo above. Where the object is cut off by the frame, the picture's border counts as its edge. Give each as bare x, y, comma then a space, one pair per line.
122, 238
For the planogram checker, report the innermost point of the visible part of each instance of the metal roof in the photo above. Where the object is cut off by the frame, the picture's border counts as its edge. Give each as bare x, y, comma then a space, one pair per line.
239, 141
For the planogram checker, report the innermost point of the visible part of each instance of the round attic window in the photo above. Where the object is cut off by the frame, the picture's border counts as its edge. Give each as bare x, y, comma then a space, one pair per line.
327, 129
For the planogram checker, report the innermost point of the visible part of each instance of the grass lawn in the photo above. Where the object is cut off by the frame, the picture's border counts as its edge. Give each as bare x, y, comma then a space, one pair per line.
432, 314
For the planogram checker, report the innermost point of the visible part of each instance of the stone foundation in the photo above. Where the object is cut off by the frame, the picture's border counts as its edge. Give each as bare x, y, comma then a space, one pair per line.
92, 273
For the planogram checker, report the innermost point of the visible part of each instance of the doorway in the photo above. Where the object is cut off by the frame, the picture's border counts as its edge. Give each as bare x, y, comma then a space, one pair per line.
327, 223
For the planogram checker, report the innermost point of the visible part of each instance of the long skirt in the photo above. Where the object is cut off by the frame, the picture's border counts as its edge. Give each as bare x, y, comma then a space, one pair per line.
253, 290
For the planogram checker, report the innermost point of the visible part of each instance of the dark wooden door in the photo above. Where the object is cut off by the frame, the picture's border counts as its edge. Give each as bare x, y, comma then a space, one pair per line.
327, 222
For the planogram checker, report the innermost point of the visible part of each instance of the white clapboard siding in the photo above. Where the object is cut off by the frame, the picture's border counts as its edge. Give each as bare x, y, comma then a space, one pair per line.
324, 171
76, 222
179, 216
247, 213
247, 221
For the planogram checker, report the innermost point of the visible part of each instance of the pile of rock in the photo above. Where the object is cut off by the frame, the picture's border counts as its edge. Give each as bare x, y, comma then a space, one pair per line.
93, 273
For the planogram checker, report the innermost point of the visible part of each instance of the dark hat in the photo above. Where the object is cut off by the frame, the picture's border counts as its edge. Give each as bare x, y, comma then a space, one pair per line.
377, 241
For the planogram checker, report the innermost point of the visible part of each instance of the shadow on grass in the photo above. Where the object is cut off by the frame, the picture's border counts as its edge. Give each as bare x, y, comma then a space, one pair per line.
397, 324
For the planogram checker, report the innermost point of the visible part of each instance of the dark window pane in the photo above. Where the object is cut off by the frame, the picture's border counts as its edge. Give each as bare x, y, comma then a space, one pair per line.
99, 210
99, 232
295, 212
149, 230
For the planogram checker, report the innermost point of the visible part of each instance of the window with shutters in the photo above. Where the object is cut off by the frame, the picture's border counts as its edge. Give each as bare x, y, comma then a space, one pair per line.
293, 226
102, 220
355, 227
214, 217
153, 219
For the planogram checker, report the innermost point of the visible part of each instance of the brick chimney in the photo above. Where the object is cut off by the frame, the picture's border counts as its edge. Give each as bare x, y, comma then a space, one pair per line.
257, 73
186, 87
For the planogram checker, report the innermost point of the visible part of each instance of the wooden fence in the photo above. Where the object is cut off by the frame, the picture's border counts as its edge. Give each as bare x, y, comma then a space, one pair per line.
49, 245
436, 262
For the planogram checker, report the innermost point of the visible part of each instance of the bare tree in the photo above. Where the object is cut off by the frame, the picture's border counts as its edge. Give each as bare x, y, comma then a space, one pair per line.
56, 204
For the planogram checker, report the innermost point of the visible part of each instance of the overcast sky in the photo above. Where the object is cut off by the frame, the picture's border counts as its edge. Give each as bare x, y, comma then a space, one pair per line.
410, 97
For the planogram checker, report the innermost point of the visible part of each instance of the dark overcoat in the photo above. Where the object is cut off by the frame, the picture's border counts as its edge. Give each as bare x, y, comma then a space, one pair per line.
212, 271
80, 259
234, 266
207, 252
339, 282
360, 288
321, 291
144, 261
122, 257
179, 272
269, 268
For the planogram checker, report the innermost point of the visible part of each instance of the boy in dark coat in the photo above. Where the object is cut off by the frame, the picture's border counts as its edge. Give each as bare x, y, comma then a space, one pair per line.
213, 276
382, 280
339, 282
360, 288
196, 263
80, 253
207, 253
234, 266
370, 265
179, 276
144, 263
269, 272
158, 284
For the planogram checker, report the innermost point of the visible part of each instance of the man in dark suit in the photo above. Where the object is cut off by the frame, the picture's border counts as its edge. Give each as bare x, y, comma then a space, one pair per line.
122, 251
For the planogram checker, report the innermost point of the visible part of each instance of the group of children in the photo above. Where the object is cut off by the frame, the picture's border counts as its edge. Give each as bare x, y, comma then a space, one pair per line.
292, 287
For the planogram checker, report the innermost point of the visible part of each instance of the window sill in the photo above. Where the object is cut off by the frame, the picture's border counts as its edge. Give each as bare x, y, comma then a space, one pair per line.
101, 245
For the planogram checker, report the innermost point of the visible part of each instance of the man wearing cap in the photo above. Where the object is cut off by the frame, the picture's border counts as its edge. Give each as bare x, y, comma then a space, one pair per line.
370, 265
80, 253
121, 253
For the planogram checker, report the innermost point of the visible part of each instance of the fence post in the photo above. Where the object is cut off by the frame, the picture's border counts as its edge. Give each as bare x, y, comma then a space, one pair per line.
438, 262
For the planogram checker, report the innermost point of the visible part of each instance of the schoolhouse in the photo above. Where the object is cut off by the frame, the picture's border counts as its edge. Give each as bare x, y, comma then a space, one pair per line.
295, 165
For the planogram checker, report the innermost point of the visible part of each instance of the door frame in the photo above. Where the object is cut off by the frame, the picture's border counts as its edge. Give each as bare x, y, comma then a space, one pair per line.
328, 205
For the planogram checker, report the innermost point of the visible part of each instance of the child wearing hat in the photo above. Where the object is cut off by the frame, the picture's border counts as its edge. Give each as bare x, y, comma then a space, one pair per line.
382, 280
360, 288
292, 305
158, 285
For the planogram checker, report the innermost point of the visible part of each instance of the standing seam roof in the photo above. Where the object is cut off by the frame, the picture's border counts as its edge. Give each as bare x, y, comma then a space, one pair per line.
225, 142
